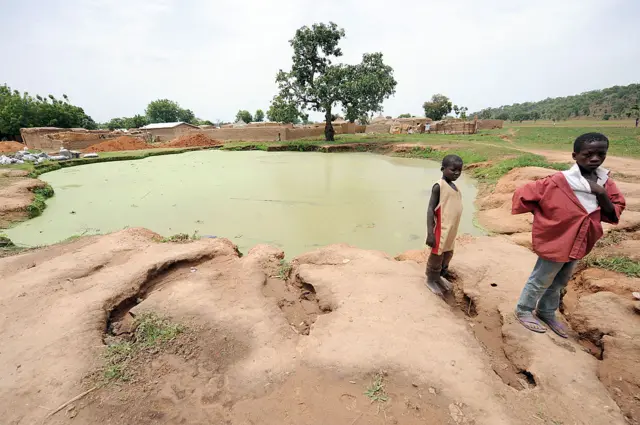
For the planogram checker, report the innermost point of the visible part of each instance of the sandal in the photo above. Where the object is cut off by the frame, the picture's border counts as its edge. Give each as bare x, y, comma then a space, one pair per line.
555, 325
445, 284
529, 321
433, 287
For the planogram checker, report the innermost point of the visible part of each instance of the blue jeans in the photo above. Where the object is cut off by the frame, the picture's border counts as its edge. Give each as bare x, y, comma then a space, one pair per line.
543, 289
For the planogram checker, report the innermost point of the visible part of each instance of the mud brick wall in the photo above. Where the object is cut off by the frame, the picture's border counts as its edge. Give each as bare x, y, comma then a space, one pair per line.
378, 128
249, 134
489, 124
302, 133
51, 138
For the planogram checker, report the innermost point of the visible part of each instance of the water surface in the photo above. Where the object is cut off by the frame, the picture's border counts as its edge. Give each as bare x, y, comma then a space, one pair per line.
297, 201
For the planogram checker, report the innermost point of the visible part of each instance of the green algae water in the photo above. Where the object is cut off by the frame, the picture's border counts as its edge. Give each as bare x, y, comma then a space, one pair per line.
296, 201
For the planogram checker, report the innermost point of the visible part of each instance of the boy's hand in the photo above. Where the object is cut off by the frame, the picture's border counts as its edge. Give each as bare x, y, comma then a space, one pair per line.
596, 189
431, 240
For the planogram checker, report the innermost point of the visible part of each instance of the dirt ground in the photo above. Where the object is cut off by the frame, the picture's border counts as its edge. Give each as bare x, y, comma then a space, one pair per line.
341, 335
265, 350
191, 140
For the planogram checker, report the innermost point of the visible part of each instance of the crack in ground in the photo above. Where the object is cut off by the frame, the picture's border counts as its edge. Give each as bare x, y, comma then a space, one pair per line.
298, 301
119, 317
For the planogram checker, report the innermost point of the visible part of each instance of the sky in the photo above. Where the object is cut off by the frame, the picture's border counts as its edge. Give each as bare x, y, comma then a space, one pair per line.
112, 57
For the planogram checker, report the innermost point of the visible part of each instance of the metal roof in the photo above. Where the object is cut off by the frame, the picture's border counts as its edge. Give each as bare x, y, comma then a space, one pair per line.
164, 125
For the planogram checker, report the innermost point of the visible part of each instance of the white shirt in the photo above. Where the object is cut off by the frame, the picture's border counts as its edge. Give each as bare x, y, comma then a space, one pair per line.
581, 187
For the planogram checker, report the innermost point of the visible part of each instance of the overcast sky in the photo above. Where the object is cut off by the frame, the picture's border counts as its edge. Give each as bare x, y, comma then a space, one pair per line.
114, 56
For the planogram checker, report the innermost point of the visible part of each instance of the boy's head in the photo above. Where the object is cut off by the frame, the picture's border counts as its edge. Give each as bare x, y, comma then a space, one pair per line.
451, 167
590, 150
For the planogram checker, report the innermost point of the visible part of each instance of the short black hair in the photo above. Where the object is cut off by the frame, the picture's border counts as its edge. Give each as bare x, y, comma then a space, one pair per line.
588, 138
450, 160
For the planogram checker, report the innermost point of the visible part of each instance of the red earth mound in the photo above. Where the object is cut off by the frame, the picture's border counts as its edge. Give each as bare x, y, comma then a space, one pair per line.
192, 140
6, 147
122, 143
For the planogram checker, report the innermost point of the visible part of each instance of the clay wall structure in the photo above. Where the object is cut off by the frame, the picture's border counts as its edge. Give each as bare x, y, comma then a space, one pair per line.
164, 134
489, 124
52, 138
453, 127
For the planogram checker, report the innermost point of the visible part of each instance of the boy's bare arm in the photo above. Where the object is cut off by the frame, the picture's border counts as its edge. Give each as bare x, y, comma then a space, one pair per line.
433, 203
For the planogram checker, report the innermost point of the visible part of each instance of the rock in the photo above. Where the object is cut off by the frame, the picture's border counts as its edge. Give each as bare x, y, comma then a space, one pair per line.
500, 220
522, 239
417, 255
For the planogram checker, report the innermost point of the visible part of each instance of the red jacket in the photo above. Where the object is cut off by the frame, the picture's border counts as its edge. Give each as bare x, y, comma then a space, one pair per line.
562, 229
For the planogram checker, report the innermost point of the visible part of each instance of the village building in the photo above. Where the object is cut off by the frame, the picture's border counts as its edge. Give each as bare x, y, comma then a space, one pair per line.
162, 132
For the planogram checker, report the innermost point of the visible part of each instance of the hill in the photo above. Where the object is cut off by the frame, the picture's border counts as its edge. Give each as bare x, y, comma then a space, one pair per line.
610, 103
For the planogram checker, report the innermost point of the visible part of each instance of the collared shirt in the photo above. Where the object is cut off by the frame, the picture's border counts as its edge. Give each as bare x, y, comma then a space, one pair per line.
563, 229
581, 186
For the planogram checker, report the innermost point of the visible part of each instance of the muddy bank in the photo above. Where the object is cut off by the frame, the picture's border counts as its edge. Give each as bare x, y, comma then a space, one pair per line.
21, 197
375, 346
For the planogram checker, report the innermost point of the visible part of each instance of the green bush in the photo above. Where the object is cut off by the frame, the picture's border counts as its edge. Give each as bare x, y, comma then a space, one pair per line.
38, 205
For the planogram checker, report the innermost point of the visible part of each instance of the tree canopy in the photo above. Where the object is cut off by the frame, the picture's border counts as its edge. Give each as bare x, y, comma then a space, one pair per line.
438, 107
613, 102
136, 121
245, 116
165, 110
259, 116
316, 83
21, 110
282, 110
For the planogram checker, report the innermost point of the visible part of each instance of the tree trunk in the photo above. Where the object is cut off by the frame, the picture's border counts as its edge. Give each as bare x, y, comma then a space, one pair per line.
328, 126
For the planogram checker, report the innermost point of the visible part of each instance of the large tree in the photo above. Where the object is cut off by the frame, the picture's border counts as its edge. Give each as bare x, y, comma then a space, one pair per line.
315, 83
165, 110
259, 116
438, 107
282, 110
366, 86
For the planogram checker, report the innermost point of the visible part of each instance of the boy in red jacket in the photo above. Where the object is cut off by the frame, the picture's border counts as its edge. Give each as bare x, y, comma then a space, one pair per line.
568, 208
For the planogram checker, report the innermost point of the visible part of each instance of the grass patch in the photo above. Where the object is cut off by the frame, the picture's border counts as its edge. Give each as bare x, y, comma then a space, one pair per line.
624, 265
181, 238
499, 169
376, 391
151, 332
469, 156
284, 269
41, 194
614, 237
623, 141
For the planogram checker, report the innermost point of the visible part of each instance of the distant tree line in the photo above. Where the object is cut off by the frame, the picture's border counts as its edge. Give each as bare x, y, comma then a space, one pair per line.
614, 102
158, 111
21, 110
245, 116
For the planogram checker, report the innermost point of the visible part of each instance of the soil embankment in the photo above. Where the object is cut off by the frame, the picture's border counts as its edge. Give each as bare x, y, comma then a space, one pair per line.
10, 147
16, 195
372, 328
122, 143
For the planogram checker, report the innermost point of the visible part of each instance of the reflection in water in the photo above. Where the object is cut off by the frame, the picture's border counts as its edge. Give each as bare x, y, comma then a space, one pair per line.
297, 201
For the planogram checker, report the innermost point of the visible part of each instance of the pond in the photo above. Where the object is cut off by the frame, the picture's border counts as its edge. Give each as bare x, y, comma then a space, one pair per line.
296, 201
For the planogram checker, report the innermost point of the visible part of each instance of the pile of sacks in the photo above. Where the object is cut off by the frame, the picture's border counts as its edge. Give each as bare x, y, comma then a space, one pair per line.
23, 156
